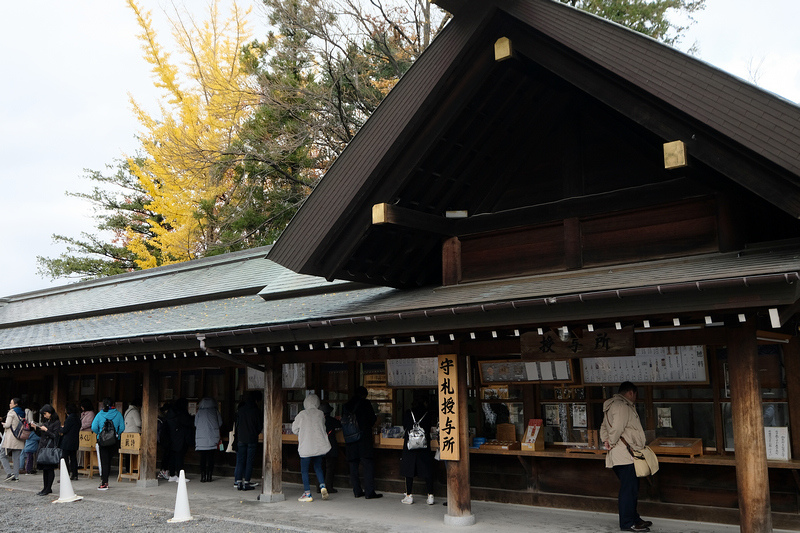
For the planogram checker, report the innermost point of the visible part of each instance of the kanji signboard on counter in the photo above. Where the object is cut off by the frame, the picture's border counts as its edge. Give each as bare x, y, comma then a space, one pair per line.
449, 416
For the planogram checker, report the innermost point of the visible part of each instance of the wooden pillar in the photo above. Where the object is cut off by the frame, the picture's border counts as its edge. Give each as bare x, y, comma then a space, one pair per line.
451, 261
791, 362
273, 445
60, 394
149, 452
459, 502
748, 430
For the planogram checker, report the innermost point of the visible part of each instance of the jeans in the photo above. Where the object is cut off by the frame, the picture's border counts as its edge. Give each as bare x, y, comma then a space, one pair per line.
304, 462
13, 468
628, 495
245, 457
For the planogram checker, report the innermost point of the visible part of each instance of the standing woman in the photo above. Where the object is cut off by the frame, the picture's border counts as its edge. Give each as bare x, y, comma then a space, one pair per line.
207, 422
417, 462
70, 439
87, 417
181, 435
312, 444
48, 433
12, 444
109, 412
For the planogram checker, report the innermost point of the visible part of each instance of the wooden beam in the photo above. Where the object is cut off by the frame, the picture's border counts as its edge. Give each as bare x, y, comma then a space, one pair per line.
59, 398
408, 218
227, 357
148, 456
752, 477
273, 446
459, 503
451, 261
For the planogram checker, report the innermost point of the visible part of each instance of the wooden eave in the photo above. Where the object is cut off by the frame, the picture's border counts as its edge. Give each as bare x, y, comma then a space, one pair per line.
424, 150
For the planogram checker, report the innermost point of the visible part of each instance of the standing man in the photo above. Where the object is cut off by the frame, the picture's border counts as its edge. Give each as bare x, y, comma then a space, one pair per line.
249, 423
621, 428
361, 451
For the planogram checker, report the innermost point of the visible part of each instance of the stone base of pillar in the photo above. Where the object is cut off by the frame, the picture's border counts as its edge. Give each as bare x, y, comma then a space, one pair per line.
146, 483
272, 498
466, 520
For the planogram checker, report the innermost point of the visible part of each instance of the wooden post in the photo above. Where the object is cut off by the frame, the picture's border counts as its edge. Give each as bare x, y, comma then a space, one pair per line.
273, 444
451, 261
748, 430
791, 362
60, 394
149, 453
459, 503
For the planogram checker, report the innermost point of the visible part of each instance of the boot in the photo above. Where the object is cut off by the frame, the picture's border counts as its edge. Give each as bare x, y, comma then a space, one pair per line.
202, 477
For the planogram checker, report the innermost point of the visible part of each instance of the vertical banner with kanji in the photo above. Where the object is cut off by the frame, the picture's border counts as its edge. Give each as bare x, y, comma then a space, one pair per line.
449, 417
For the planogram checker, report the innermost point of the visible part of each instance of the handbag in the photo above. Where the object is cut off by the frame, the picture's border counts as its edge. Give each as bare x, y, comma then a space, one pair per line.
50, 455
231, 438
644, 461
416, 435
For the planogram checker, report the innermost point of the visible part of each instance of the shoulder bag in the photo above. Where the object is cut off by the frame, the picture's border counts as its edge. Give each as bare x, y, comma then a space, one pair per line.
416, 435
644, 461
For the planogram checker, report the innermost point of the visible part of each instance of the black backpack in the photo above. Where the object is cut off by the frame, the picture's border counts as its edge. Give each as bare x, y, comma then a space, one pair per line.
108, 435
350, 430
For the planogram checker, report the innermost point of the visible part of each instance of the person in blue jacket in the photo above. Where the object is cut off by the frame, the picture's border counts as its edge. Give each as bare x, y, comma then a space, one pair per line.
109, 412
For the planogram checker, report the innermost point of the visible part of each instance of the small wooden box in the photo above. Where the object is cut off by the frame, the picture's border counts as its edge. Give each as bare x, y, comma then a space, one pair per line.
506, 432
392, 442
535, 446
689, 447
130, 441
87, 440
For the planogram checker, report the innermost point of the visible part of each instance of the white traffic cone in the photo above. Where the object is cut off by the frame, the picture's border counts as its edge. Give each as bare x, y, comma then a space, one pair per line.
182, 513
66, 493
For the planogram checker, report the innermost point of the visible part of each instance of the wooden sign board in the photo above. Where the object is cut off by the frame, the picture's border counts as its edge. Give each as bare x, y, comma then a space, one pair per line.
515, 371
449, 415
577, 344
87, 439
130, 441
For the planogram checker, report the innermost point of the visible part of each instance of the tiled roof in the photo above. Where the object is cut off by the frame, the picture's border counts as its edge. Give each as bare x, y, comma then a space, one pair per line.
380, 303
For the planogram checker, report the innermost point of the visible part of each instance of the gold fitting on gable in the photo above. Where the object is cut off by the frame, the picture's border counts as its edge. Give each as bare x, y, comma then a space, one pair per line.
674, 154
502, 49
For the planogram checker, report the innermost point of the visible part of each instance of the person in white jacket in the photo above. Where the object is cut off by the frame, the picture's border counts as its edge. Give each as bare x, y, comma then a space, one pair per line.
207, 422
133, 417
312, 444
622, 428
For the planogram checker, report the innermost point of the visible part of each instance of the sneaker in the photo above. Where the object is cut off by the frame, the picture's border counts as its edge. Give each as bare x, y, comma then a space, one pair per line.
644, 523
407, 499
103, 486
252, 483
324, 492
163, 474
173, 479
236, 484
306, 497
429, 501
9, 477
637, 527
15, 479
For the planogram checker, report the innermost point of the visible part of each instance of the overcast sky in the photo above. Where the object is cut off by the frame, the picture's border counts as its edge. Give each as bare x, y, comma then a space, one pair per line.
68, 67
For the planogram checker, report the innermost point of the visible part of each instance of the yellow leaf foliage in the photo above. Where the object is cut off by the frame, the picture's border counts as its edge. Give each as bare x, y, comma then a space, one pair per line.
205, 100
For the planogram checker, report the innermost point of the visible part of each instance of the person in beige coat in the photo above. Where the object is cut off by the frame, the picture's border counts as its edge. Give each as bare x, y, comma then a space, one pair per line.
11, 444
621, 425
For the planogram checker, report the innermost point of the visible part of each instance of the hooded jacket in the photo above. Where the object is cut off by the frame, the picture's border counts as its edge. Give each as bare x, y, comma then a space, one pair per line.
620, 419
207, 422
133, 420
113, 415
12, 421
309, 426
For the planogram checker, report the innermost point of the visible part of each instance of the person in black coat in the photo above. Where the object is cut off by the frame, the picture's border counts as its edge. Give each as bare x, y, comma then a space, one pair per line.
249, 424
181, 435
48, 432
70, 440
362, 452
332, 457
417, 462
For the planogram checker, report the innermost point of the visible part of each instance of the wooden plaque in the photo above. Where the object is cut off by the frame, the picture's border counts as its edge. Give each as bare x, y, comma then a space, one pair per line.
577, 344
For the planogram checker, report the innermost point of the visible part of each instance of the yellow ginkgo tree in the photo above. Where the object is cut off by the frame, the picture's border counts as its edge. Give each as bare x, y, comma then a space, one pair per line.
205, 101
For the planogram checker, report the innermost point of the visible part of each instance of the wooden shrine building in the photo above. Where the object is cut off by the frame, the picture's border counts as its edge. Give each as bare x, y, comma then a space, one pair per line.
549, 201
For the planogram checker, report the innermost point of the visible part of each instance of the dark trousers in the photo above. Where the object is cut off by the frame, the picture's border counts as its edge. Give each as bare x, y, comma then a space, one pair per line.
178, 457
48, 476
428, 484
628, 495
206, 463
245, 457
71, 459
330, 470
368, 470
105, 462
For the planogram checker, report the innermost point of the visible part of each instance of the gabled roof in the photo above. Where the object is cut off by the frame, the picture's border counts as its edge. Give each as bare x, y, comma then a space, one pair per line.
462, 131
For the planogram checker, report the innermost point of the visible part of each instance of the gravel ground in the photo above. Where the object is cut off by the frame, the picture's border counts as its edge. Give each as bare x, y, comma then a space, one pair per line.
94, 516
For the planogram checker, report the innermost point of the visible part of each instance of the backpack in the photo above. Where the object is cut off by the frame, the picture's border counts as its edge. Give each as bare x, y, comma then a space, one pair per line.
350, 429
108, 435
23, 431
416, 435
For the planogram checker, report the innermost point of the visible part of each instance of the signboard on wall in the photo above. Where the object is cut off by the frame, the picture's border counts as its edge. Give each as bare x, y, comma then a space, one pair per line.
416, 372
574, 344
666, 364
449, 415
